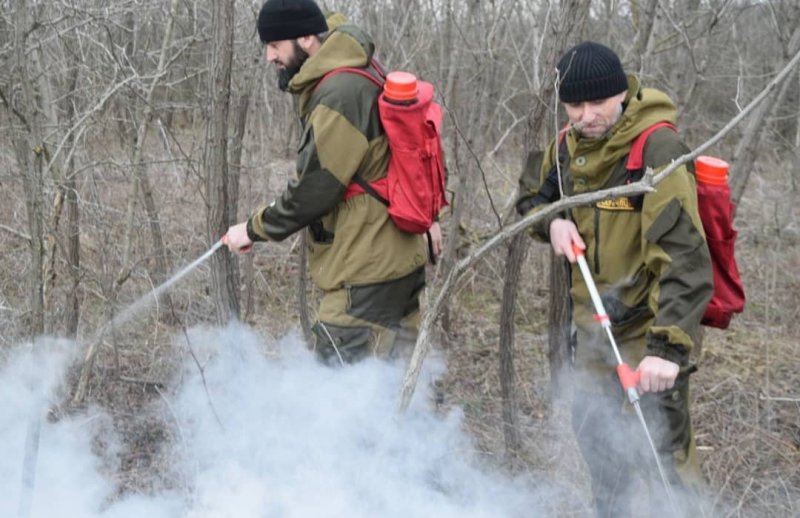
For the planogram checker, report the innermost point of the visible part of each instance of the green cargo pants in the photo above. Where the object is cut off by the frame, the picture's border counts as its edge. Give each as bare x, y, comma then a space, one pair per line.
369, 320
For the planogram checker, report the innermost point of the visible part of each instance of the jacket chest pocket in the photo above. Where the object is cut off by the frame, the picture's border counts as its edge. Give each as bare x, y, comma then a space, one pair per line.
617, 243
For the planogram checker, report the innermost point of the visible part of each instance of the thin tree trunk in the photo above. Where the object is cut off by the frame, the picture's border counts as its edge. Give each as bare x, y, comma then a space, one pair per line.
34, 195
73, 249
572, 20
517, 252
141, 182
559, 317
72, 306
796, 152
747, 148
645, 15
218, 178
49, 110
27, 143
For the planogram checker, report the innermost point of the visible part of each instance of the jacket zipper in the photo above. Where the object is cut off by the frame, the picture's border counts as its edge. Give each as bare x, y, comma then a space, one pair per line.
596, 241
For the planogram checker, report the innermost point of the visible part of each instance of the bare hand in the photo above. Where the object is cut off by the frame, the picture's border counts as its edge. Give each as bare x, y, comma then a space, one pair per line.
657, 374
236, 239
436, 238
563, 233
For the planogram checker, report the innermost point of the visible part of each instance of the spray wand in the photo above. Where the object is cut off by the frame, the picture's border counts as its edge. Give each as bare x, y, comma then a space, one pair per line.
628, 378
34, 424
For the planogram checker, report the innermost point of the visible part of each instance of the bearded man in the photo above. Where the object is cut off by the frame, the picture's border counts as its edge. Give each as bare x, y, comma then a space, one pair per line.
370, 272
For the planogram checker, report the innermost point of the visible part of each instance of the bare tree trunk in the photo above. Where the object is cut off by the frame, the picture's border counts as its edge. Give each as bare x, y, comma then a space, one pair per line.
559, 318
796, 151
141, 181
644, 12
685, 76
26, 143
467, 140
218, 182
55, 166
517, 251
157, 239
73, 250
34, 196
568, 28
454, 180
746, 149
453, 234
72, 305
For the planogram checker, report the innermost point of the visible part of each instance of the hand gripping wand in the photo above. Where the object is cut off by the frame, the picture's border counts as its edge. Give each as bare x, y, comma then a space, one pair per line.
628, 378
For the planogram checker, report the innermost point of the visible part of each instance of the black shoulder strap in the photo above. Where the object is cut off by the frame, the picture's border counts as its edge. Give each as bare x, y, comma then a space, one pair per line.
549, 192
369, 189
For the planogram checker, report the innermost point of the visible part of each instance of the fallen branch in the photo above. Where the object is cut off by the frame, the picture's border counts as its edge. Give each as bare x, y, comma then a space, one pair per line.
762, 397
17, 233
646, 184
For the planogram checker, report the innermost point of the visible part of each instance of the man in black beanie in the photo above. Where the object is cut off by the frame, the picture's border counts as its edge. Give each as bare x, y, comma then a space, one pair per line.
649, 259
289, 30
369, 272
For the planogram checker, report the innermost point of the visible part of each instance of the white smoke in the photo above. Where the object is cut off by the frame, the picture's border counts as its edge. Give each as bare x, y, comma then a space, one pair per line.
260, 435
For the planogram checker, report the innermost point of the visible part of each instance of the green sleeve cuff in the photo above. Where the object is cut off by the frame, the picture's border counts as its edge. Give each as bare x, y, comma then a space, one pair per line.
252, 223
657, 345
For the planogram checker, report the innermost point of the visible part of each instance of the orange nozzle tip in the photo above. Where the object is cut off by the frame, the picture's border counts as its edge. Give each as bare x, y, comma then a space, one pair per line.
576, 250
400, 86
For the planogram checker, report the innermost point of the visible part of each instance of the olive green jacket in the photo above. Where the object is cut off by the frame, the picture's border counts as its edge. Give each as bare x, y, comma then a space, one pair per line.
351, 242
648, 254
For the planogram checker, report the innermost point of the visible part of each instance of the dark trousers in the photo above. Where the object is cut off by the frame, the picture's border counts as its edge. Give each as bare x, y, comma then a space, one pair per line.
620, 460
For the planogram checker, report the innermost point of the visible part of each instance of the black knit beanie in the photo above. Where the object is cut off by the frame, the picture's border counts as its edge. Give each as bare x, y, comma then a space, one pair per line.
590, 71
289, 19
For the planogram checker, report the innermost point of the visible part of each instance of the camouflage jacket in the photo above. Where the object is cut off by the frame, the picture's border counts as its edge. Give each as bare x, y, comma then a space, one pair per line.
647, 254
353, 241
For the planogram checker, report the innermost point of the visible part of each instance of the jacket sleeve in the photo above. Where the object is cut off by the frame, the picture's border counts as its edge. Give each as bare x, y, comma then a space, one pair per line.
538, 187
330, 153
676, 253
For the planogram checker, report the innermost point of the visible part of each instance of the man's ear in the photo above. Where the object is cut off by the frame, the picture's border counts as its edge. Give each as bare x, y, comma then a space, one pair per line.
309, 43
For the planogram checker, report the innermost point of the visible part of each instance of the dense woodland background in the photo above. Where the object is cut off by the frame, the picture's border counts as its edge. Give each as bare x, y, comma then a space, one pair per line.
133, 132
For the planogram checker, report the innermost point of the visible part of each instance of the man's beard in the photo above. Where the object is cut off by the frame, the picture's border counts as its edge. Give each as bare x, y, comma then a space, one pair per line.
609, 125
285, 74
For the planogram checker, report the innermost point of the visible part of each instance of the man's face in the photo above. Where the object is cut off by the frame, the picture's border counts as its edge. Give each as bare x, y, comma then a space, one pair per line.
593, 119
287, 56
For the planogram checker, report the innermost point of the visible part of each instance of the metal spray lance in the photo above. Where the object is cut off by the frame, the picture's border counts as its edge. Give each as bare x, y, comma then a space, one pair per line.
31, 452
628, 378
